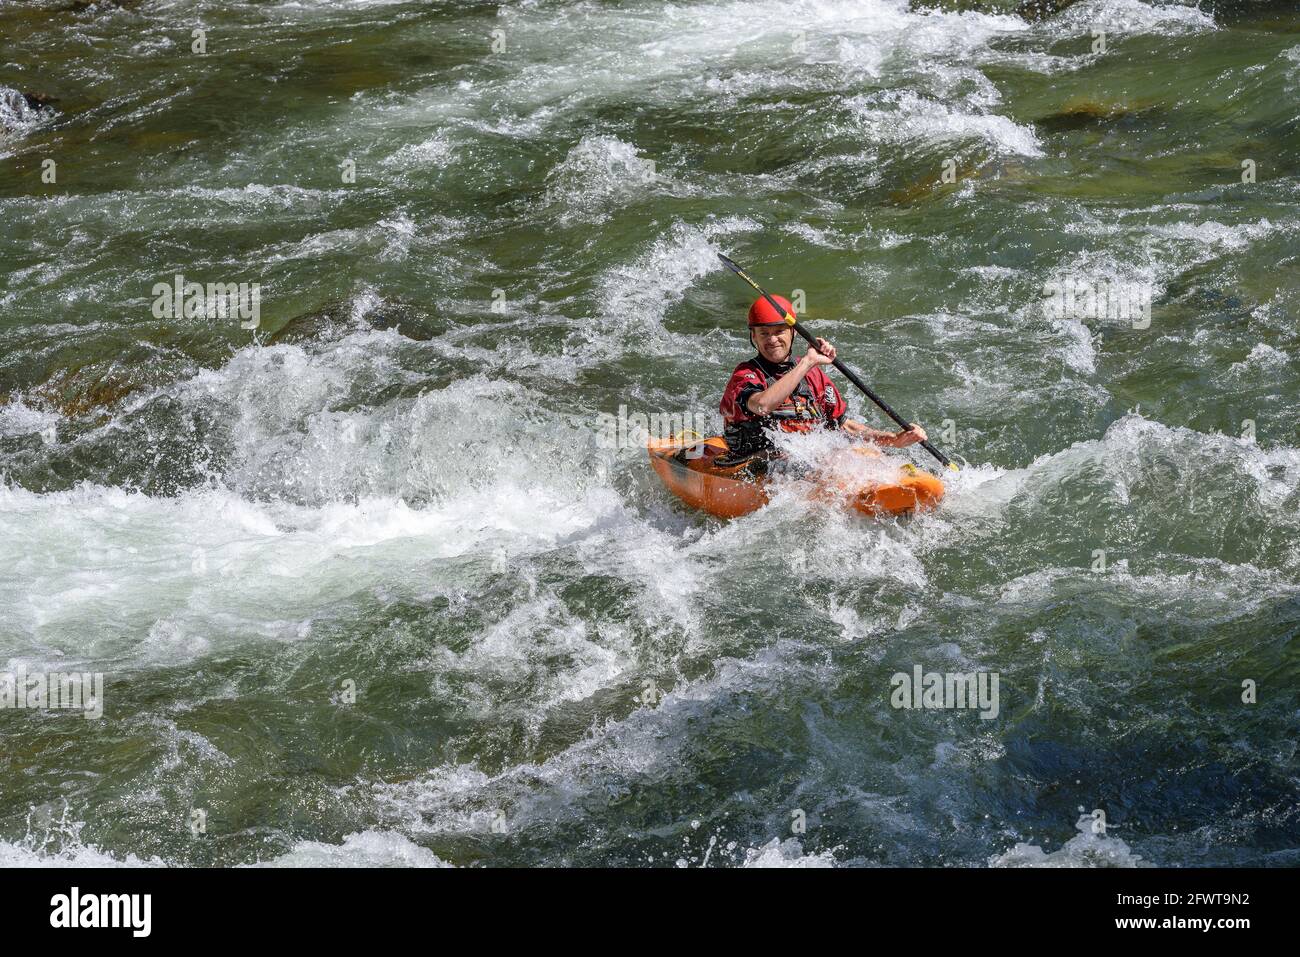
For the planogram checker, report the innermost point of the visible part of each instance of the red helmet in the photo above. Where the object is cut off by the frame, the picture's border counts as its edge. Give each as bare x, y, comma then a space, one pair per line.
761, 312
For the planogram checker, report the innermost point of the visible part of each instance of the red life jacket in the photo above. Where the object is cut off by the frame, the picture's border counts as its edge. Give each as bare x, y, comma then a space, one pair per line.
815, 403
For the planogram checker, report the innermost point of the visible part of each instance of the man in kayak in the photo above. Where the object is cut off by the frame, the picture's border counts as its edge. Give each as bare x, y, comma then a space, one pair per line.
773, 390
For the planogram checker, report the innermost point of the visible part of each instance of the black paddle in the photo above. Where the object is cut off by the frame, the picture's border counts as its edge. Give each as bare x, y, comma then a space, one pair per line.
848, 373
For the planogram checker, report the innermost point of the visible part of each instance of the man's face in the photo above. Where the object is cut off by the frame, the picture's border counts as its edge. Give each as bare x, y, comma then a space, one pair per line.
773, 342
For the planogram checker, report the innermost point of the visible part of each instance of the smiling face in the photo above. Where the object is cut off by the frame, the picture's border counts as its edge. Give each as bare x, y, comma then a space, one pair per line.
773, 342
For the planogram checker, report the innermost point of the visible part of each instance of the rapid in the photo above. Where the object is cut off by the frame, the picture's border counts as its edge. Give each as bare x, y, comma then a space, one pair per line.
365, 584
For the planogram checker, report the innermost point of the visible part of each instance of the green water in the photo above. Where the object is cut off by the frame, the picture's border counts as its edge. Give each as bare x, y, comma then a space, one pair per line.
366, 588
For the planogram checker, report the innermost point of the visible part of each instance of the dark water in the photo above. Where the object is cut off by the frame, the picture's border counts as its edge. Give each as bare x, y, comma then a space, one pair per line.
364, 584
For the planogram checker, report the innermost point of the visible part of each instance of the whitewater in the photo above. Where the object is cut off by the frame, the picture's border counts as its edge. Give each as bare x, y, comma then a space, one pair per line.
368, 588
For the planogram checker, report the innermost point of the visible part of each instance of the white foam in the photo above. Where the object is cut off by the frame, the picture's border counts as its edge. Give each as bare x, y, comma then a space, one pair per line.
1121, 458
1133, 16
638, 295
1262, 356
372, 848
1202, 241
57, 842
1088, 848
602, 766
208, 568
365, 849
16, 117
902, 117
601, 173
787, 853
73, 855
566, 60
388, 239
17, 418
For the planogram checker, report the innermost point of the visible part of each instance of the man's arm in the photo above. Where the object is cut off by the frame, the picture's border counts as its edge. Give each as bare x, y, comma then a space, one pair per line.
761, 403
895, 440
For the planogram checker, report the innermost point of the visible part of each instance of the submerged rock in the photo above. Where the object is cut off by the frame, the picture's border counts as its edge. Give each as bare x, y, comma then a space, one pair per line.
337, 319
37, 101
87, 389
933, 184
1082, 112
930, 184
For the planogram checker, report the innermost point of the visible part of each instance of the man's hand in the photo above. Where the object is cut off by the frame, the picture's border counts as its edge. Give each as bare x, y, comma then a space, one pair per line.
893, 440
910, 436
822, 353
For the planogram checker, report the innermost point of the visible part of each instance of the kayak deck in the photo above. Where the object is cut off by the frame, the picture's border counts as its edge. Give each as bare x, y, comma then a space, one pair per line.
727, 491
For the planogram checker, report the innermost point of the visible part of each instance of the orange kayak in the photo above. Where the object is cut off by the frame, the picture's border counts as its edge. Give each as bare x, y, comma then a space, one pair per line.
727, 491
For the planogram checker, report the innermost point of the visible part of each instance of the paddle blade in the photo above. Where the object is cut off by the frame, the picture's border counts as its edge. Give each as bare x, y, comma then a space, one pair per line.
730, 264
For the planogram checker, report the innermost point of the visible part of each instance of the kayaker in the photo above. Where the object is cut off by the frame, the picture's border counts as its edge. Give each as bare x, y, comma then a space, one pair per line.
773, 390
